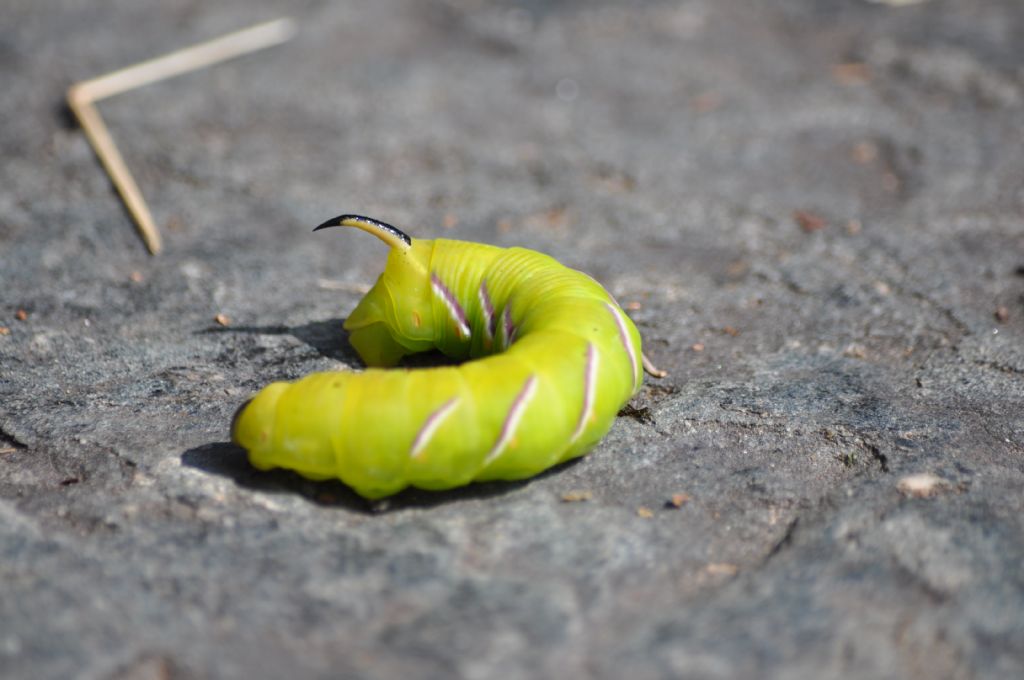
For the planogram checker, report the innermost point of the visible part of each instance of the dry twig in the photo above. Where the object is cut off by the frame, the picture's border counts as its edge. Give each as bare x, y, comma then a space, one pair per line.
83, 96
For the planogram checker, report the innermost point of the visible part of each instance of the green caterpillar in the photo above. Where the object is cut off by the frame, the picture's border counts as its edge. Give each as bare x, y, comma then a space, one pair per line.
555, 360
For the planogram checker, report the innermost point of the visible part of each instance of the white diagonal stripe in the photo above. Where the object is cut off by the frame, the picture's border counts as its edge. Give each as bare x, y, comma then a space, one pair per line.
589, 392
455, 310
487, 307
624, 336
515, 414
430, 426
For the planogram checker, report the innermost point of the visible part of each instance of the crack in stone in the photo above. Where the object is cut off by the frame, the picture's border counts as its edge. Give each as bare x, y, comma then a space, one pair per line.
784, 542
998, 366
8, 440
876, 453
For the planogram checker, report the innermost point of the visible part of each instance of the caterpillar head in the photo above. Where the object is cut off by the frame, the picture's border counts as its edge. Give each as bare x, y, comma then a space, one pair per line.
394, 318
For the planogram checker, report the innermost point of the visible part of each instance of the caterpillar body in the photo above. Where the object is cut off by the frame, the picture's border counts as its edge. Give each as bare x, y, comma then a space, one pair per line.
553, 359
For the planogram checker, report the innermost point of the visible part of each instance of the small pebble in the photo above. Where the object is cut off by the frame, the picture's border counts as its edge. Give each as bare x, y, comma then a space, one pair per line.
678, 500
851, 73
921, 485
722, 569
808, 221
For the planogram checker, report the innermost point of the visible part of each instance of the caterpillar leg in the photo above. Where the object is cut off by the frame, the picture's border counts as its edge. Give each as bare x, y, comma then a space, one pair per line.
651, 369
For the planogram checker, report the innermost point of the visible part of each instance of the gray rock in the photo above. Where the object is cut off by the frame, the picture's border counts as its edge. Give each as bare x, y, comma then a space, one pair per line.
817, 205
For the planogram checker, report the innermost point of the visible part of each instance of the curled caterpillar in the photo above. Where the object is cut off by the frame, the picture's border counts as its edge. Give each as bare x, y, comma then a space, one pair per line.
555, 360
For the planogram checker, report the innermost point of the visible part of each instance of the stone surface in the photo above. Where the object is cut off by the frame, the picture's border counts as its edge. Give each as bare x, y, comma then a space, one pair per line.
816, 207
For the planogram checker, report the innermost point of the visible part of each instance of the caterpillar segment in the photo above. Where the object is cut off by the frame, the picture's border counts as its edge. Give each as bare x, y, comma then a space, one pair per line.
549, 359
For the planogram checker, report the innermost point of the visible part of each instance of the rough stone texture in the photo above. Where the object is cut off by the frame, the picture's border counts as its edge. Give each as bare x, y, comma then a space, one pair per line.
664, 147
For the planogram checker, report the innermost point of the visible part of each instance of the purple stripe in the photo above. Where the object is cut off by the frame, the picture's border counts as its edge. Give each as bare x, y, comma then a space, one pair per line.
427, 425
510, 328
515, 414
627, 342
452, 302
488, 309
588, 378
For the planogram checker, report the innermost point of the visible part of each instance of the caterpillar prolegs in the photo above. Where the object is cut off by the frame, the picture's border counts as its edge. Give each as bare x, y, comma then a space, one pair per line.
554, 358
